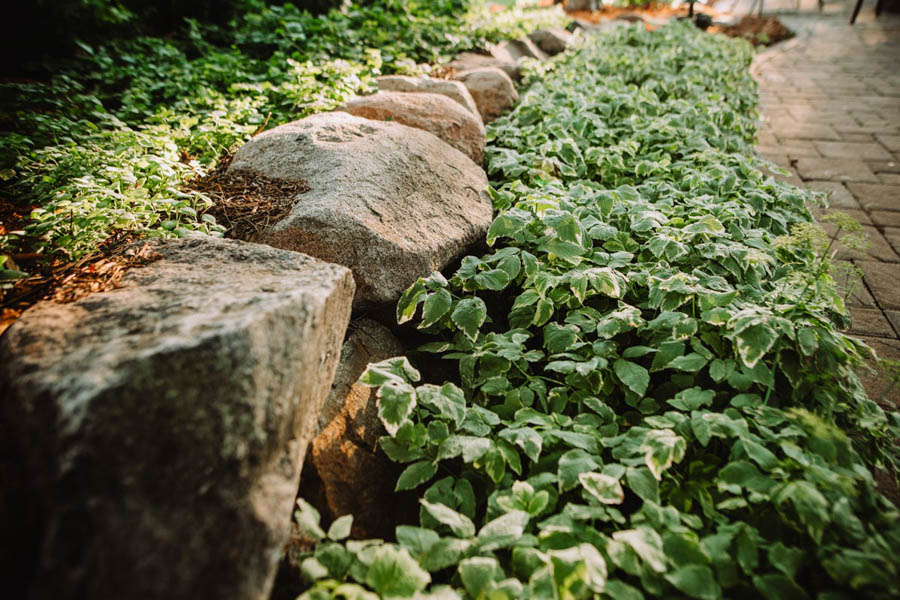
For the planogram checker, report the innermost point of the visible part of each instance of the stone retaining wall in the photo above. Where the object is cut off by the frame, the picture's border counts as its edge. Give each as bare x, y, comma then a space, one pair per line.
161, 427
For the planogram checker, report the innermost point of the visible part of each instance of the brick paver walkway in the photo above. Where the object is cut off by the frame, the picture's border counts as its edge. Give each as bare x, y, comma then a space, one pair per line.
830, 104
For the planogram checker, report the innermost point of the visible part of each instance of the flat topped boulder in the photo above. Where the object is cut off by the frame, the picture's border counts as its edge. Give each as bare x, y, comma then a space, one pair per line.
390, 202
452, 89
162, 425
434, 113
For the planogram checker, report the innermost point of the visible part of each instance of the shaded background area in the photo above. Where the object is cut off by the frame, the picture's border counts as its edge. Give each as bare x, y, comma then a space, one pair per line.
37, 29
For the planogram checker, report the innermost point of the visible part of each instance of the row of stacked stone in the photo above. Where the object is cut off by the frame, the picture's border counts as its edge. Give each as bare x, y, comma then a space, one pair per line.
156, 432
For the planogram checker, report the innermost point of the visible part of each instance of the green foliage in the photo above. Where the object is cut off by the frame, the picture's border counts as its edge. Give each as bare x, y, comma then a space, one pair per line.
108, 142
655, 399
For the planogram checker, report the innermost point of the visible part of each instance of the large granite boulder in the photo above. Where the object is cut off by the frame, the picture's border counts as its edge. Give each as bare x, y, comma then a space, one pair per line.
452, 89
434, 113
467, 61
162, 425
492, 89
552, 41
390, 202
356, 478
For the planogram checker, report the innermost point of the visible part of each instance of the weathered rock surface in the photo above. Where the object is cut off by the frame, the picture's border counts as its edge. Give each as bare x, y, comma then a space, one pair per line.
452, 89
368, 342
355, 477
390, 202
492, 89
552, 41
163, 424
434, 113
515, 50
468, 61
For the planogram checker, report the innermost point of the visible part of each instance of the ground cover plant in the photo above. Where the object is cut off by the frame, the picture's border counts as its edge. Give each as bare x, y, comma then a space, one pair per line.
105, 142
654, 399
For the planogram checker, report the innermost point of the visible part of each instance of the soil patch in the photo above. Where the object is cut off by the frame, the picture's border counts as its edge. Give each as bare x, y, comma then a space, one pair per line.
759, 31
246, 203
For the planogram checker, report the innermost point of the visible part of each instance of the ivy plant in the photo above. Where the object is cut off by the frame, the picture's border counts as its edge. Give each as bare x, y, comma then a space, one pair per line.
654, 397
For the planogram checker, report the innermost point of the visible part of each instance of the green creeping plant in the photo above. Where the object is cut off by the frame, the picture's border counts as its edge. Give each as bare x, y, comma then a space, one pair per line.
110, 141
654, 397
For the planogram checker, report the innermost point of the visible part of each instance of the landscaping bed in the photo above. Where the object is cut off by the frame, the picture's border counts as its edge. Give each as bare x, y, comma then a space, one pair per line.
653, 395
653, 10
758, 30
107, 142
642, 389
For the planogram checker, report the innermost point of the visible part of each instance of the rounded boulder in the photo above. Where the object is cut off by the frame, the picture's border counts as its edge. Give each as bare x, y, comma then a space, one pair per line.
492, 89
454, 90
435, 113
390, 202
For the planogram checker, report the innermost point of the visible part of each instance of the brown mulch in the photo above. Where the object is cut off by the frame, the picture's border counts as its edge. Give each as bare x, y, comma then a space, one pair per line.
443, 72
760, 31
67, 282
102, 273
59, 280
13, 217
763, 31
246, 203
652, 10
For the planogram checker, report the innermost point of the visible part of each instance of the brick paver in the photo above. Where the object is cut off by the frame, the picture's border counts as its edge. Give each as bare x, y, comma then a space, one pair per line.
838, 194
883, 218
830, 108
869, 321
891, 142
835, 169
879, 196
864, 150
